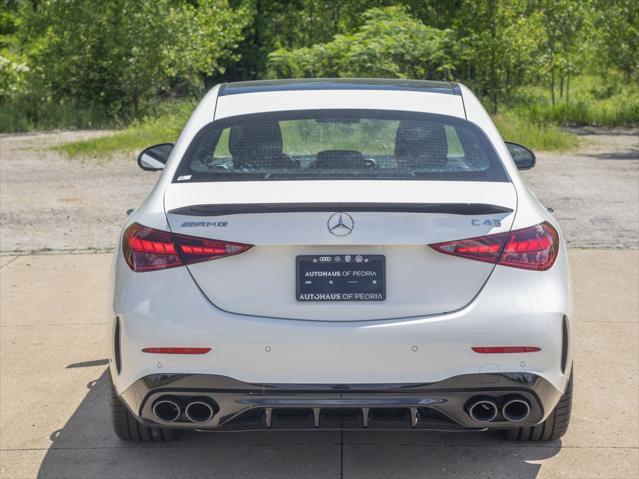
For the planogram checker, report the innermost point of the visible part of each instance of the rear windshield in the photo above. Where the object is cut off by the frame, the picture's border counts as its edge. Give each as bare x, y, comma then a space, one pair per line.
340, 145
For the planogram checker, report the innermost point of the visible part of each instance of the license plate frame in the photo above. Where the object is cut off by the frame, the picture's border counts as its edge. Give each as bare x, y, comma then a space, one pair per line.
340, 278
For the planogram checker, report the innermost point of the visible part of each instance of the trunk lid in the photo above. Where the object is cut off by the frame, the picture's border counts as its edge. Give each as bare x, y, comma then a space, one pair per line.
394, 219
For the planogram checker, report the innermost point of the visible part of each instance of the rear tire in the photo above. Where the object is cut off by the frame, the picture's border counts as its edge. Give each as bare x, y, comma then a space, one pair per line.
555, 425
128, 428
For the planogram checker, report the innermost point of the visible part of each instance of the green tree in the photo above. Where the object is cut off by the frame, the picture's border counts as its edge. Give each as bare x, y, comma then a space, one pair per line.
617, 27
115, 59
292, 24
499, 42
564, 24
389, 43
283, 24
123, 53
13, 68
210, 34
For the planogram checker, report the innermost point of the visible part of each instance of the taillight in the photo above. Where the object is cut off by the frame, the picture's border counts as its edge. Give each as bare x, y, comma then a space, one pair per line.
148, 249
194, 249
534, 248
483, 248
531, 248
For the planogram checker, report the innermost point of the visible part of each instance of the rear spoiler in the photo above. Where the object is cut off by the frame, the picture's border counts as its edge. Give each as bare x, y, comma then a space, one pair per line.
250, 208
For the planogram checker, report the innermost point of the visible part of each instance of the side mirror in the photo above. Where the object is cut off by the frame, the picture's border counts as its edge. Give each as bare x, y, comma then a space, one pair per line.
524, 158
154, 158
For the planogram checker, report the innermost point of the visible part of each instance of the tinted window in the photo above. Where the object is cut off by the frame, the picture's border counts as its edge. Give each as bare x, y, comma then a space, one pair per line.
340, 144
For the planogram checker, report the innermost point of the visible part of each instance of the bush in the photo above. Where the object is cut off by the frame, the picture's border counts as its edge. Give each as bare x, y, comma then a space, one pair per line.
105, 61
390, 43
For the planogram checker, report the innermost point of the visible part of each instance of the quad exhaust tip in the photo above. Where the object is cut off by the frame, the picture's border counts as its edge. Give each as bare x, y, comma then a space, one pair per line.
199, 411
167, 410
482, 410
515, 409
196, 411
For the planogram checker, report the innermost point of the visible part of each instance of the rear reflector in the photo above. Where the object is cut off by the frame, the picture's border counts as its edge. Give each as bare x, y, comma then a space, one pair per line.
148, 249
533, 248
505, 349
176, 350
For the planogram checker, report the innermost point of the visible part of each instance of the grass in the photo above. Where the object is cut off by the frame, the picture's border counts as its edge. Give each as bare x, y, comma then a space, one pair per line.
23, 114
529, 118
609, 103
163, 128
167, 126
539, 137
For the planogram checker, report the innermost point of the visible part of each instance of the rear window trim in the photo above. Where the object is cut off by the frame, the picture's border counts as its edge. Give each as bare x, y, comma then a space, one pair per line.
184, 169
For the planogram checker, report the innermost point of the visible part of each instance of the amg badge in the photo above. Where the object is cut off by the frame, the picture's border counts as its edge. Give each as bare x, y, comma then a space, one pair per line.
206, 224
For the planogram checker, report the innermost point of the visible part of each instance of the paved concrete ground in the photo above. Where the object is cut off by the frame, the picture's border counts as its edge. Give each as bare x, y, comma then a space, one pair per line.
54, 412
50, 202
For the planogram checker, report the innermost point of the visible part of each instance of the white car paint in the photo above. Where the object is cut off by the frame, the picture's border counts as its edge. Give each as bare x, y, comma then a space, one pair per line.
231, 284
259, 333
234, 105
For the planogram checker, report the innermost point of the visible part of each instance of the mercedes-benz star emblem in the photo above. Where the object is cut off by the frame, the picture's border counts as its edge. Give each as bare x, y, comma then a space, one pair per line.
340, 224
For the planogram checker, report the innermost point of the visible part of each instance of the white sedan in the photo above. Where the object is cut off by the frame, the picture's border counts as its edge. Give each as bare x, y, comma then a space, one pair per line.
356, 254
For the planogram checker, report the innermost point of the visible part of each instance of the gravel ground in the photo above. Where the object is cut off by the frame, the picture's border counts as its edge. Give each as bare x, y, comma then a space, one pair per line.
49, 202
595, 190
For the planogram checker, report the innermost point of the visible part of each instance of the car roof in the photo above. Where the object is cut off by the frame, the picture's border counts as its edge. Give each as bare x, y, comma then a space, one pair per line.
259, 86
241, 98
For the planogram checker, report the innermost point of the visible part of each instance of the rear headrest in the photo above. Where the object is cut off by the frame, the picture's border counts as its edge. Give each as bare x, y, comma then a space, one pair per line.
260, 139
421, 144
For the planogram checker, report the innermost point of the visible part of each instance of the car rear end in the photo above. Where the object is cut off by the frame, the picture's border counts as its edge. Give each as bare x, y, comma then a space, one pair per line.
322, 255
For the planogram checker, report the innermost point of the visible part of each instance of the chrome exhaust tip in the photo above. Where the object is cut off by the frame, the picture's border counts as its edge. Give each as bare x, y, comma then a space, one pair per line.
199, 411
515, 409
482, 410
167, 410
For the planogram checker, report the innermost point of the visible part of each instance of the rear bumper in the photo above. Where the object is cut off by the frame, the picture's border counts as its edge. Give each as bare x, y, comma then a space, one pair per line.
515, 307
441, 405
